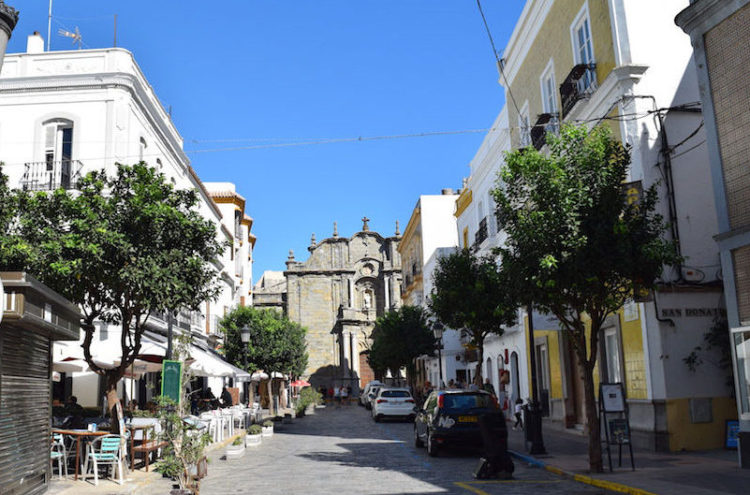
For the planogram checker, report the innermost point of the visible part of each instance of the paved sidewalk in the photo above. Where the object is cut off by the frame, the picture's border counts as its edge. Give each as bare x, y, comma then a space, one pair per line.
683, 473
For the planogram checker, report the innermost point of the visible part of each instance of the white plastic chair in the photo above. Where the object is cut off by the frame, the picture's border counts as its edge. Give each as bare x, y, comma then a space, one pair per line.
57, 453
109, 453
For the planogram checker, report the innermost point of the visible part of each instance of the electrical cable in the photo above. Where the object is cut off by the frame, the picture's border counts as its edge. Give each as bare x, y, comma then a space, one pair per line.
497, 59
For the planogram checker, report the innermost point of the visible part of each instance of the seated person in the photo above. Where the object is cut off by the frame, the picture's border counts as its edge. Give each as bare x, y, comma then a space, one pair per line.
226, 398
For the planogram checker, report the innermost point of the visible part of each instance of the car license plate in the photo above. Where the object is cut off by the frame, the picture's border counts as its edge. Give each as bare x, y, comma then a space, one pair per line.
467, 419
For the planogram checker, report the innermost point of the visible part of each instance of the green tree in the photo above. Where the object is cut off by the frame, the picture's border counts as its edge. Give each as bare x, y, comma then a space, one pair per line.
575, 247
14, 251
470, 295
276, 344
121, 248
399, 337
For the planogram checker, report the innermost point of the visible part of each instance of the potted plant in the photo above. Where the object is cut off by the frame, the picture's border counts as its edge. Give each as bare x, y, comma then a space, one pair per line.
308, 399
236, 449
254, 435
183, 456
267, 428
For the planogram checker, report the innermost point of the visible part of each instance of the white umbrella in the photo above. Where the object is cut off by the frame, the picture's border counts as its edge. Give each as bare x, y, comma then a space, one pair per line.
69, 366
258, 376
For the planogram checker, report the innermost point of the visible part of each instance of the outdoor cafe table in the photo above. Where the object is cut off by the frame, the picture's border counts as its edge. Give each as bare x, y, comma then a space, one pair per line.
78, 434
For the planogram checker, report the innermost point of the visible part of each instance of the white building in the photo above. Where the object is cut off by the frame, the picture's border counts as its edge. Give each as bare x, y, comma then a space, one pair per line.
63, 114
477, 228
597, 62
430, 234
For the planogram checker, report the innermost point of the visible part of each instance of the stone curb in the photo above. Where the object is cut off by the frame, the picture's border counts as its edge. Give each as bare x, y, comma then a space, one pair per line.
607, 485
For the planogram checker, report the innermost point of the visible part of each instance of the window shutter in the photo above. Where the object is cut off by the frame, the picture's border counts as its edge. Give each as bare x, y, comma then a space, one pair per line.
49, 136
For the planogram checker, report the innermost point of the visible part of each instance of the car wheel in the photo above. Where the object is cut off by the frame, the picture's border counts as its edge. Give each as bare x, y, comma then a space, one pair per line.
432, 448
417, 441
368, 406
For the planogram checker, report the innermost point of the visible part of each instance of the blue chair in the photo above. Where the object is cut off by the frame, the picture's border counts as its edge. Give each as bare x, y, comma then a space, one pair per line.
106, 450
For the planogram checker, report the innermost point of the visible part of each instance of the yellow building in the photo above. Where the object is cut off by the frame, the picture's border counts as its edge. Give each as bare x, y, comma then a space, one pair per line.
599, 62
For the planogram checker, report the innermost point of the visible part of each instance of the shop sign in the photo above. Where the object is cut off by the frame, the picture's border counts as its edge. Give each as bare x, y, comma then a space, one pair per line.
693, 312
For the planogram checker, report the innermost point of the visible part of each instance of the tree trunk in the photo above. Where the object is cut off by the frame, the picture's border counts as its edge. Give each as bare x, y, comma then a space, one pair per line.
250, 395
271, 411
112, 402
592, 421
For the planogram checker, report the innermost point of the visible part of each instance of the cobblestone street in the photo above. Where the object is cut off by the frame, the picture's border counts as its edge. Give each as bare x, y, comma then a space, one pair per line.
344, 451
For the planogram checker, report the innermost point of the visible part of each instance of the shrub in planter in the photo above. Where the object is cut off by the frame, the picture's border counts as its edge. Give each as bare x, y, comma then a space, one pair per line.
253, 437
267, 429
236, 450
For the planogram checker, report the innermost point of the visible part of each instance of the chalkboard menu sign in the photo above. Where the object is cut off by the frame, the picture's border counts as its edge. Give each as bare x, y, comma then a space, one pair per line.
171, 380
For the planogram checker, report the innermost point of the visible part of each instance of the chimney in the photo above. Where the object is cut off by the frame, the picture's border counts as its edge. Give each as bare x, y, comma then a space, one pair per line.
35, 43
448, 191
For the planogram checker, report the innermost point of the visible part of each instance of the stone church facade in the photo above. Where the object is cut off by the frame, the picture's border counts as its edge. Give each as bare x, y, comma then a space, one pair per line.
345, 284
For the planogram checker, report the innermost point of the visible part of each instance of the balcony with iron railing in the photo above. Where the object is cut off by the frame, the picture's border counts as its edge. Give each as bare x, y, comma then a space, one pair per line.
580, 82
51, 175
546, 122
481, 233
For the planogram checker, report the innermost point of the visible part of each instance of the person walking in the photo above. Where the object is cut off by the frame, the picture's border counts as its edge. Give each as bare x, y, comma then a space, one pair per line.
518, 412
345, 395
337, 396
489, 387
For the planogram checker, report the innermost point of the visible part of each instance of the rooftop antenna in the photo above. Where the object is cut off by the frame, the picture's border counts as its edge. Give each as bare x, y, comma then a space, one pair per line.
49, 25
76, 35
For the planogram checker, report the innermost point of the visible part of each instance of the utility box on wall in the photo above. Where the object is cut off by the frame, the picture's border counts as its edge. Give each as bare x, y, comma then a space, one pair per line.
33, 317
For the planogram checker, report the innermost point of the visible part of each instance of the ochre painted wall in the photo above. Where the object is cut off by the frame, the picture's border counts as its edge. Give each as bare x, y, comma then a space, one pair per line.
684, 435
554, 41
633, 358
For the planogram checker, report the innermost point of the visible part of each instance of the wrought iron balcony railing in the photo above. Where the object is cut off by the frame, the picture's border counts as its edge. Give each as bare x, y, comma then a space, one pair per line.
546, 122
481, 234
51, 175
580, 81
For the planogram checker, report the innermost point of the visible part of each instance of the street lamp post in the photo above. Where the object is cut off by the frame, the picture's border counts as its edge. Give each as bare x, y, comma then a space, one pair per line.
437, 331
245, 338
8, 20
534, 415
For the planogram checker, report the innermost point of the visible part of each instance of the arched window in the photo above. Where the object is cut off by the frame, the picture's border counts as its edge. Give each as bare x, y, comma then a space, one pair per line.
58, 141
58, 154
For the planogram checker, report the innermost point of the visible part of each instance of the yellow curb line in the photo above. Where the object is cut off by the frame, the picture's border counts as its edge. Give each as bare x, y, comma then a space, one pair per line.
472, 489
607, 485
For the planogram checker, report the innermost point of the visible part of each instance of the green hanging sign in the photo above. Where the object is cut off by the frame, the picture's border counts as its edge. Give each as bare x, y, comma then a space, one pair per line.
171, 380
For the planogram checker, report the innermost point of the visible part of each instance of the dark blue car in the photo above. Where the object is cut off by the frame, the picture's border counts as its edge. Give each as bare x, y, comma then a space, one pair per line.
450, 418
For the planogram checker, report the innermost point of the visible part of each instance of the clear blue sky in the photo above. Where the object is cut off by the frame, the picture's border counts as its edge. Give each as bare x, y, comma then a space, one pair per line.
248, 72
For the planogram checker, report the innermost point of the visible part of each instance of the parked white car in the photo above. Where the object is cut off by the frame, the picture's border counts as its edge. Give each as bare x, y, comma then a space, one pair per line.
364, 399
393, 403
372, 395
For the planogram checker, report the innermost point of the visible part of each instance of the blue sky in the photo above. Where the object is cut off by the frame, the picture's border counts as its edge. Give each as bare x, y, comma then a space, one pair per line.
251, 72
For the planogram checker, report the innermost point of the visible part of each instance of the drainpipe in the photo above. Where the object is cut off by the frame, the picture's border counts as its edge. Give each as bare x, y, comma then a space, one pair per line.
8, 20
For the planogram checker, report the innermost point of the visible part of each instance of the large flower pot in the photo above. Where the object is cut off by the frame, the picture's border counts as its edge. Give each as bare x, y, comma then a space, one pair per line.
235, 451
310, 409
267, 431
253, 440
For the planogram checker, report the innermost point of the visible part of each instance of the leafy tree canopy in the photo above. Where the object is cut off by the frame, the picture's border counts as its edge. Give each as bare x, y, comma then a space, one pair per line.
121, 247
575, 246
470, 294
399, 337
276, 343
